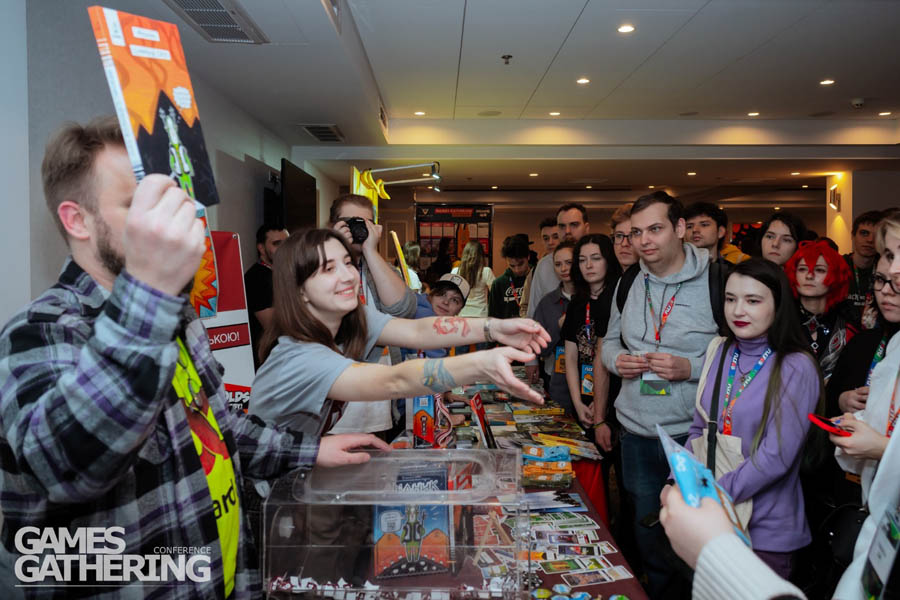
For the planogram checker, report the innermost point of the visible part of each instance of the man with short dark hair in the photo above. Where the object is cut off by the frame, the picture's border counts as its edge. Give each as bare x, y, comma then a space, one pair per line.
706, 226
112, 410
861, 262
572, 221
505, 295
258, 283
657, 344
542, 276
549, 235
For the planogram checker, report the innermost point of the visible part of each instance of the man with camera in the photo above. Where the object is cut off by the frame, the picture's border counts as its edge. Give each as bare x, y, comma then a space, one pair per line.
353, 217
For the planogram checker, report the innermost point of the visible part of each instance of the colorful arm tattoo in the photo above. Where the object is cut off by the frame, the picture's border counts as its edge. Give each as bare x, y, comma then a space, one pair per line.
446, 325
436, 376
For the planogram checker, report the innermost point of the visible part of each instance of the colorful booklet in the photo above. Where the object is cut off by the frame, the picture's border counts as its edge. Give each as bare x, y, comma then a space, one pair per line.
696, 481
154, 100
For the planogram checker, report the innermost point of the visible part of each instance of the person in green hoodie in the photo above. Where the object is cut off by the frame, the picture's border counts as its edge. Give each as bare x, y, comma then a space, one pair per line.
657, 343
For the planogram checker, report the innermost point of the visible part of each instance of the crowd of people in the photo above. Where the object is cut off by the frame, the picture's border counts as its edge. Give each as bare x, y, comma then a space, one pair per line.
112, 406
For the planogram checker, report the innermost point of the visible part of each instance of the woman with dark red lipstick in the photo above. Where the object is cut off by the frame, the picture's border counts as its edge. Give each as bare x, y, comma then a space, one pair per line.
820, 278
768, 383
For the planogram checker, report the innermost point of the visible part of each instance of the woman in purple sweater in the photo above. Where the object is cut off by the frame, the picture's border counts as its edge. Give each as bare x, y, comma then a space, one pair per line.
770, 382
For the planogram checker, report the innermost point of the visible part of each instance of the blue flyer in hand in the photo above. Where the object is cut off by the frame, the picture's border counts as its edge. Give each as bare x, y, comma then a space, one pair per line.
696, 481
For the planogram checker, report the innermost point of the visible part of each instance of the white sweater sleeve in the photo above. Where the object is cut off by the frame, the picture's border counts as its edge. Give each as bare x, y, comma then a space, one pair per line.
727, 568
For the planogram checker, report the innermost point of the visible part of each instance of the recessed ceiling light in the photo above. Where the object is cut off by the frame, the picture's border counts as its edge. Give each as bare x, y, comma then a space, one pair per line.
419, 113
430, 187
583, 81
826, 82
554, 114
777, 208
759, 222
886, 113
587, 187
804, 186
532, 174
651, 186
493, 187
795, 173
691, 173
752, 114
626, 28
426, 174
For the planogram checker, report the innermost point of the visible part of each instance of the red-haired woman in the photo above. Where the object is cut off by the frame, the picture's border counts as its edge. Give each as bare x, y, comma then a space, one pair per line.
820, 279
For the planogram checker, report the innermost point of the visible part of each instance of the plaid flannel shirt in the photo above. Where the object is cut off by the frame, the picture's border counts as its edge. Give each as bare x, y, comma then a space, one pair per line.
92, 434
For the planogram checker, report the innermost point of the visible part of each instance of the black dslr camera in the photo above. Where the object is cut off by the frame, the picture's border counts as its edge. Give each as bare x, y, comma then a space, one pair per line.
358, 229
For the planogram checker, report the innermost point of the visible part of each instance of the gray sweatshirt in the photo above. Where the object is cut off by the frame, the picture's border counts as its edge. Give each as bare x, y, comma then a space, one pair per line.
687, 333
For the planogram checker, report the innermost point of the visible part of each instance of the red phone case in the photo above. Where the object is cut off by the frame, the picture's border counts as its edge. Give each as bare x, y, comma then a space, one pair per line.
827, 425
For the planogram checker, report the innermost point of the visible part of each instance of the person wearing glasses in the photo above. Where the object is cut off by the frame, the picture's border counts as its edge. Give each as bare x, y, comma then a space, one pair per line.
620, 224
870, 411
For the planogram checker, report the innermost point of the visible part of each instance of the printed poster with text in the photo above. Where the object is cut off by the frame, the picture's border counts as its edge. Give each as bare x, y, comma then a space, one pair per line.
229, 330
154, 100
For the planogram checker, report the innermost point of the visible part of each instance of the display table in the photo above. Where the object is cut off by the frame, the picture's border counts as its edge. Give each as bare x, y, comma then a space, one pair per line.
631, 587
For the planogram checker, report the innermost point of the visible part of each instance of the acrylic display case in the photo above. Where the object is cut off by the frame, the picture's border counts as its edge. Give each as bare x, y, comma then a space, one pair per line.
407, 525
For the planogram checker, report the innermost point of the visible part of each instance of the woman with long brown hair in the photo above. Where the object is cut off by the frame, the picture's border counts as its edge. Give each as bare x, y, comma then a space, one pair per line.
473, 268
320, 329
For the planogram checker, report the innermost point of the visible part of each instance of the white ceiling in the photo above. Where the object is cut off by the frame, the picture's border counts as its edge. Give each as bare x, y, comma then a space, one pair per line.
717, 58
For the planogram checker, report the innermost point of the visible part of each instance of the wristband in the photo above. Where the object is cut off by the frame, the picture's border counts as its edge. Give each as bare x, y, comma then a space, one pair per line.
487, 330
596, 425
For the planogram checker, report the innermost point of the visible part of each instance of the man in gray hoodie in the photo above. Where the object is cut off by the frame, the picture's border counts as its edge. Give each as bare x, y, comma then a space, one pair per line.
657, 345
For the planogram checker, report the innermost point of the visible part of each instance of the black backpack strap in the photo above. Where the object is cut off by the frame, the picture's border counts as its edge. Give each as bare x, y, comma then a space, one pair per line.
712, 425
719, 270
625, 283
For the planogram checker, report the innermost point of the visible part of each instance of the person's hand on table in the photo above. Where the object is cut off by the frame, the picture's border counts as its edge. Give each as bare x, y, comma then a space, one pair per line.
337, 450
688, 528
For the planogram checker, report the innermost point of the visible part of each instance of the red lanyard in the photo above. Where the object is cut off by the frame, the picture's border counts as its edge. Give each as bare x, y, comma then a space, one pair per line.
665, 313
893, 412
587, 318
265, 264
362, 288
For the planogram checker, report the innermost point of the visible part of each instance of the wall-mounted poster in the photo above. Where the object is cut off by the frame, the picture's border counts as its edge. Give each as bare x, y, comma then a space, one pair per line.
456, 225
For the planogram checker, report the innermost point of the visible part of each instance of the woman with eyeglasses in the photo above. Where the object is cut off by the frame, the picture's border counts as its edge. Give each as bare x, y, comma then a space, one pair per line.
871, 417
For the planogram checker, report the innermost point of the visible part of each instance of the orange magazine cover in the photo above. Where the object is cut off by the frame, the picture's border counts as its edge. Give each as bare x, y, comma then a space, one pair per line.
154, 100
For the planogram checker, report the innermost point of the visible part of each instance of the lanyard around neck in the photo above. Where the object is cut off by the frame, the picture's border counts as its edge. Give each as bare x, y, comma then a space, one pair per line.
879, 354
745, 381
657, 330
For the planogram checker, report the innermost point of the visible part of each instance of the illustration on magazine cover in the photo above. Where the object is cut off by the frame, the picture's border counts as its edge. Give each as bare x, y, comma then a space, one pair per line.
147, 74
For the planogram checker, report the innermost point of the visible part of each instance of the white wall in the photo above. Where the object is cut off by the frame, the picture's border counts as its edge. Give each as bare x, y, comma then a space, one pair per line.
14, 231
66, 82
326, 189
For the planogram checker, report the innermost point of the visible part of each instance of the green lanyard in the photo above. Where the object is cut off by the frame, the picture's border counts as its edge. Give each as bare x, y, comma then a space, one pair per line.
186, 380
